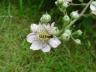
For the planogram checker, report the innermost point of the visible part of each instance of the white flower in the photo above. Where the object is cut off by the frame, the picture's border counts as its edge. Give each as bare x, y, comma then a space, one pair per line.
93, 7
77, 41
42, 37
45, 18
75, 14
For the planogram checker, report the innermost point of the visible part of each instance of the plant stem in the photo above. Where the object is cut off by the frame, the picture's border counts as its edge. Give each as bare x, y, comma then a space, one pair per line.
83, 4
72, 22
81, 14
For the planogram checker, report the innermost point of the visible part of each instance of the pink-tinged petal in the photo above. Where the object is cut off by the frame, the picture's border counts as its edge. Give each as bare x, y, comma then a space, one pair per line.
31, 37
54, 42
34, 27
36, 45
46, 48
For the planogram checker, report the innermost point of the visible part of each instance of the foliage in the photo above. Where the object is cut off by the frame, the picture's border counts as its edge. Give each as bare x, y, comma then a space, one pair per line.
15, 55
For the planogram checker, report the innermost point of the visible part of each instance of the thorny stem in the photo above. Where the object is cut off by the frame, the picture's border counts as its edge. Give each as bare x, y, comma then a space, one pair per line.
81, 14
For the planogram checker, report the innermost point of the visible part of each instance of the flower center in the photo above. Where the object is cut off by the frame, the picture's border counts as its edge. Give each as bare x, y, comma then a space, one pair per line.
44, 36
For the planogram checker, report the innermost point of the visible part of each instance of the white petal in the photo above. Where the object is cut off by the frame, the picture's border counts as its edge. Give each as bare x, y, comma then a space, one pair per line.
36, 45
51, 28
34, 27
54, 42
52, 25
41, 28
46, 48
93, 6
47, 26
31, 37
94, 12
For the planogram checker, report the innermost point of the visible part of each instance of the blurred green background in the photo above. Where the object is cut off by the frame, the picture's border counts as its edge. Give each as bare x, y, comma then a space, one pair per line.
16, 17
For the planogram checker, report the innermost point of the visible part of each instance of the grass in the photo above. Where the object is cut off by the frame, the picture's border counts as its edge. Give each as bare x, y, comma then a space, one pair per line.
15, 55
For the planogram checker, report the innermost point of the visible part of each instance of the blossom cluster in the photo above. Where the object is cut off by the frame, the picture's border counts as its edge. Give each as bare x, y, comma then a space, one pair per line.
42, 36
45, 35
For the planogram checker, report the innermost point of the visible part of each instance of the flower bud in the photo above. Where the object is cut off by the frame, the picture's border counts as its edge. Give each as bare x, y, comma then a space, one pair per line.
75, 14
77, 41
66, 18
66, 36
65, 4
68, 31
58, 2
79, 32
56, 32
45, 18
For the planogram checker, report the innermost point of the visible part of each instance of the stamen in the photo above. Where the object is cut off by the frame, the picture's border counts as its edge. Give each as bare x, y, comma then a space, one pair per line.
43, 34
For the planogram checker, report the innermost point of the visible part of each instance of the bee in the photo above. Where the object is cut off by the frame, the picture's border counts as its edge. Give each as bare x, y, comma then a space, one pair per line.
46, 36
